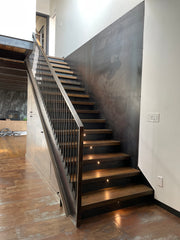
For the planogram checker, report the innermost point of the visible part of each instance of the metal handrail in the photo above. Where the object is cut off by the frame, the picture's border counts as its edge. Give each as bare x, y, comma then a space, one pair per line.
61, 88
57, 157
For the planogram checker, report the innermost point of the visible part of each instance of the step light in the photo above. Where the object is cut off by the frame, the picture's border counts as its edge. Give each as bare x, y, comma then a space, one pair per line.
91, 147
98, 162
84, 134
107, 180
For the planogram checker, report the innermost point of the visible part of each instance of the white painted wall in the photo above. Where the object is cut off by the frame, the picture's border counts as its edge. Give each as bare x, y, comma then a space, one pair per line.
52, 35
159, 147
43, 6
80, 20
17, 18
37, 148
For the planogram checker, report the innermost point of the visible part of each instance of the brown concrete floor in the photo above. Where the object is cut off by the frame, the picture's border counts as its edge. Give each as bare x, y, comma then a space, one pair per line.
29, 210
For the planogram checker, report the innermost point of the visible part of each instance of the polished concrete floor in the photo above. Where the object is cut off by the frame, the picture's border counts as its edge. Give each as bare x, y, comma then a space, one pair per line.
29, 210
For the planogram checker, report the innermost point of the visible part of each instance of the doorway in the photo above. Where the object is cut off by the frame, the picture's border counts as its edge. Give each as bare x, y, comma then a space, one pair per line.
42, 30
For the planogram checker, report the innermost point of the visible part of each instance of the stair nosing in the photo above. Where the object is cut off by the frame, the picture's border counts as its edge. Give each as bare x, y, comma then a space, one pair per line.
146, 192
58, 58
107, 158
126, 174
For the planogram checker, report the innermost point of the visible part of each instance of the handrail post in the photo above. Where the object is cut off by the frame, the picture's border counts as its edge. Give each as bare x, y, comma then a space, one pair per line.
79, 176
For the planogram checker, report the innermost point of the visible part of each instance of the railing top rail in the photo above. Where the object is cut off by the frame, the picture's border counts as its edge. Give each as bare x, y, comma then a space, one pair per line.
61, 88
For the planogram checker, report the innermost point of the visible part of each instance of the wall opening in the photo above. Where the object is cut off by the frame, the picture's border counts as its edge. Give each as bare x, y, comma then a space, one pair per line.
42, 30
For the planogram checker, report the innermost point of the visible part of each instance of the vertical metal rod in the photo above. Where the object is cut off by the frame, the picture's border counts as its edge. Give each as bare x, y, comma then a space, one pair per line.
79, 174
69, 134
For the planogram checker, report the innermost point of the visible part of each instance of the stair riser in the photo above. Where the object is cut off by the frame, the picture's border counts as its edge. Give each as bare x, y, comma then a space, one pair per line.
72, 83
74, 91
85, 116
49, 87
70, 136
94, 125
55, 59
116, 204
89, 115
50, 81
39, 65
53, 96
113, 181
56, 124
53, 87
82, 99
101, 136
101, 149
62, 66
95, 150
45, 69
42, 70
59, 72
94, 165
83, 107
63, 76
43, 74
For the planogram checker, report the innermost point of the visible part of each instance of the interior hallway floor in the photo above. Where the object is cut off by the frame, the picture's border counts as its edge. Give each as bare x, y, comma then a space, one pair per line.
30, 210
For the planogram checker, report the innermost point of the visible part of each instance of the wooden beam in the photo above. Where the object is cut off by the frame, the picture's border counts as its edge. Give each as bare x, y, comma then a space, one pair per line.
12, 64
12, 55
13, 87
12, 71
8, 78
15, 42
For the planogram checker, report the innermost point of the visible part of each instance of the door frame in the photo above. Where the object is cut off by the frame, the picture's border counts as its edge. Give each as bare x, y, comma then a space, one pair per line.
47, 29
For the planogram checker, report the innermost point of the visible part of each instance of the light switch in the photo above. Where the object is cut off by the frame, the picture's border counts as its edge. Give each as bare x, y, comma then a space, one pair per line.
160, 181
153, 117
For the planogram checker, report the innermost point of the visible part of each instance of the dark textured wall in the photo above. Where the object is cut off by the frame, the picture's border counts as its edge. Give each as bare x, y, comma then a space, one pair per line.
13, 100
110, 66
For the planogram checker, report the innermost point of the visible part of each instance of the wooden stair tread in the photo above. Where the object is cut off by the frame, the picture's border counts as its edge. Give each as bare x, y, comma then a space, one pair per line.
69, 94
107, 195
60, 66
58, 58
70, 82
78, 89
56, 70
87, 111
109, 173
86, 131
97, 131
82, 103
83, 120
78, 95
73, 102
75, 89
101, 143
98, 143
106, 156
66, 76
43, 74
43, 68
64, 71
98, 120
63, 81
57, 62
79, 111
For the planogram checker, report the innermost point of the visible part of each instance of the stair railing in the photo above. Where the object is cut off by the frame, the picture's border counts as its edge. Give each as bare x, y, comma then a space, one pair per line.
62, 126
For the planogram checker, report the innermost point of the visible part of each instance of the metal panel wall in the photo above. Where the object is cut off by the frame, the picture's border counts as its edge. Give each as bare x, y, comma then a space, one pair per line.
110, 66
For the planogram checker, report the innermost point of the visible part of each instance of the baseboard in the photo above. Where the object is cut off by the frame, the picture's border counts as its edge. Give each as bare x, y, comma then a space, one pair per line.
166, 207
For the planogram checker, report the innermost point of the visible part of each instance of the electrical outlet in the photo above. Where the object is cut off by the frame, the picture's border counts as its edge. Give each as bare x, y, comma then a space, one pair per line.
153, 117
160, 181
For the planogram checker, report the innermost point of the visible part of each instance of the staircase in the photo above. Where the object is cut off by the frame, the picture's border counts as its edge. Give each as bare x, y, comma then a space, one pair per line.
92, 172
108, 180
